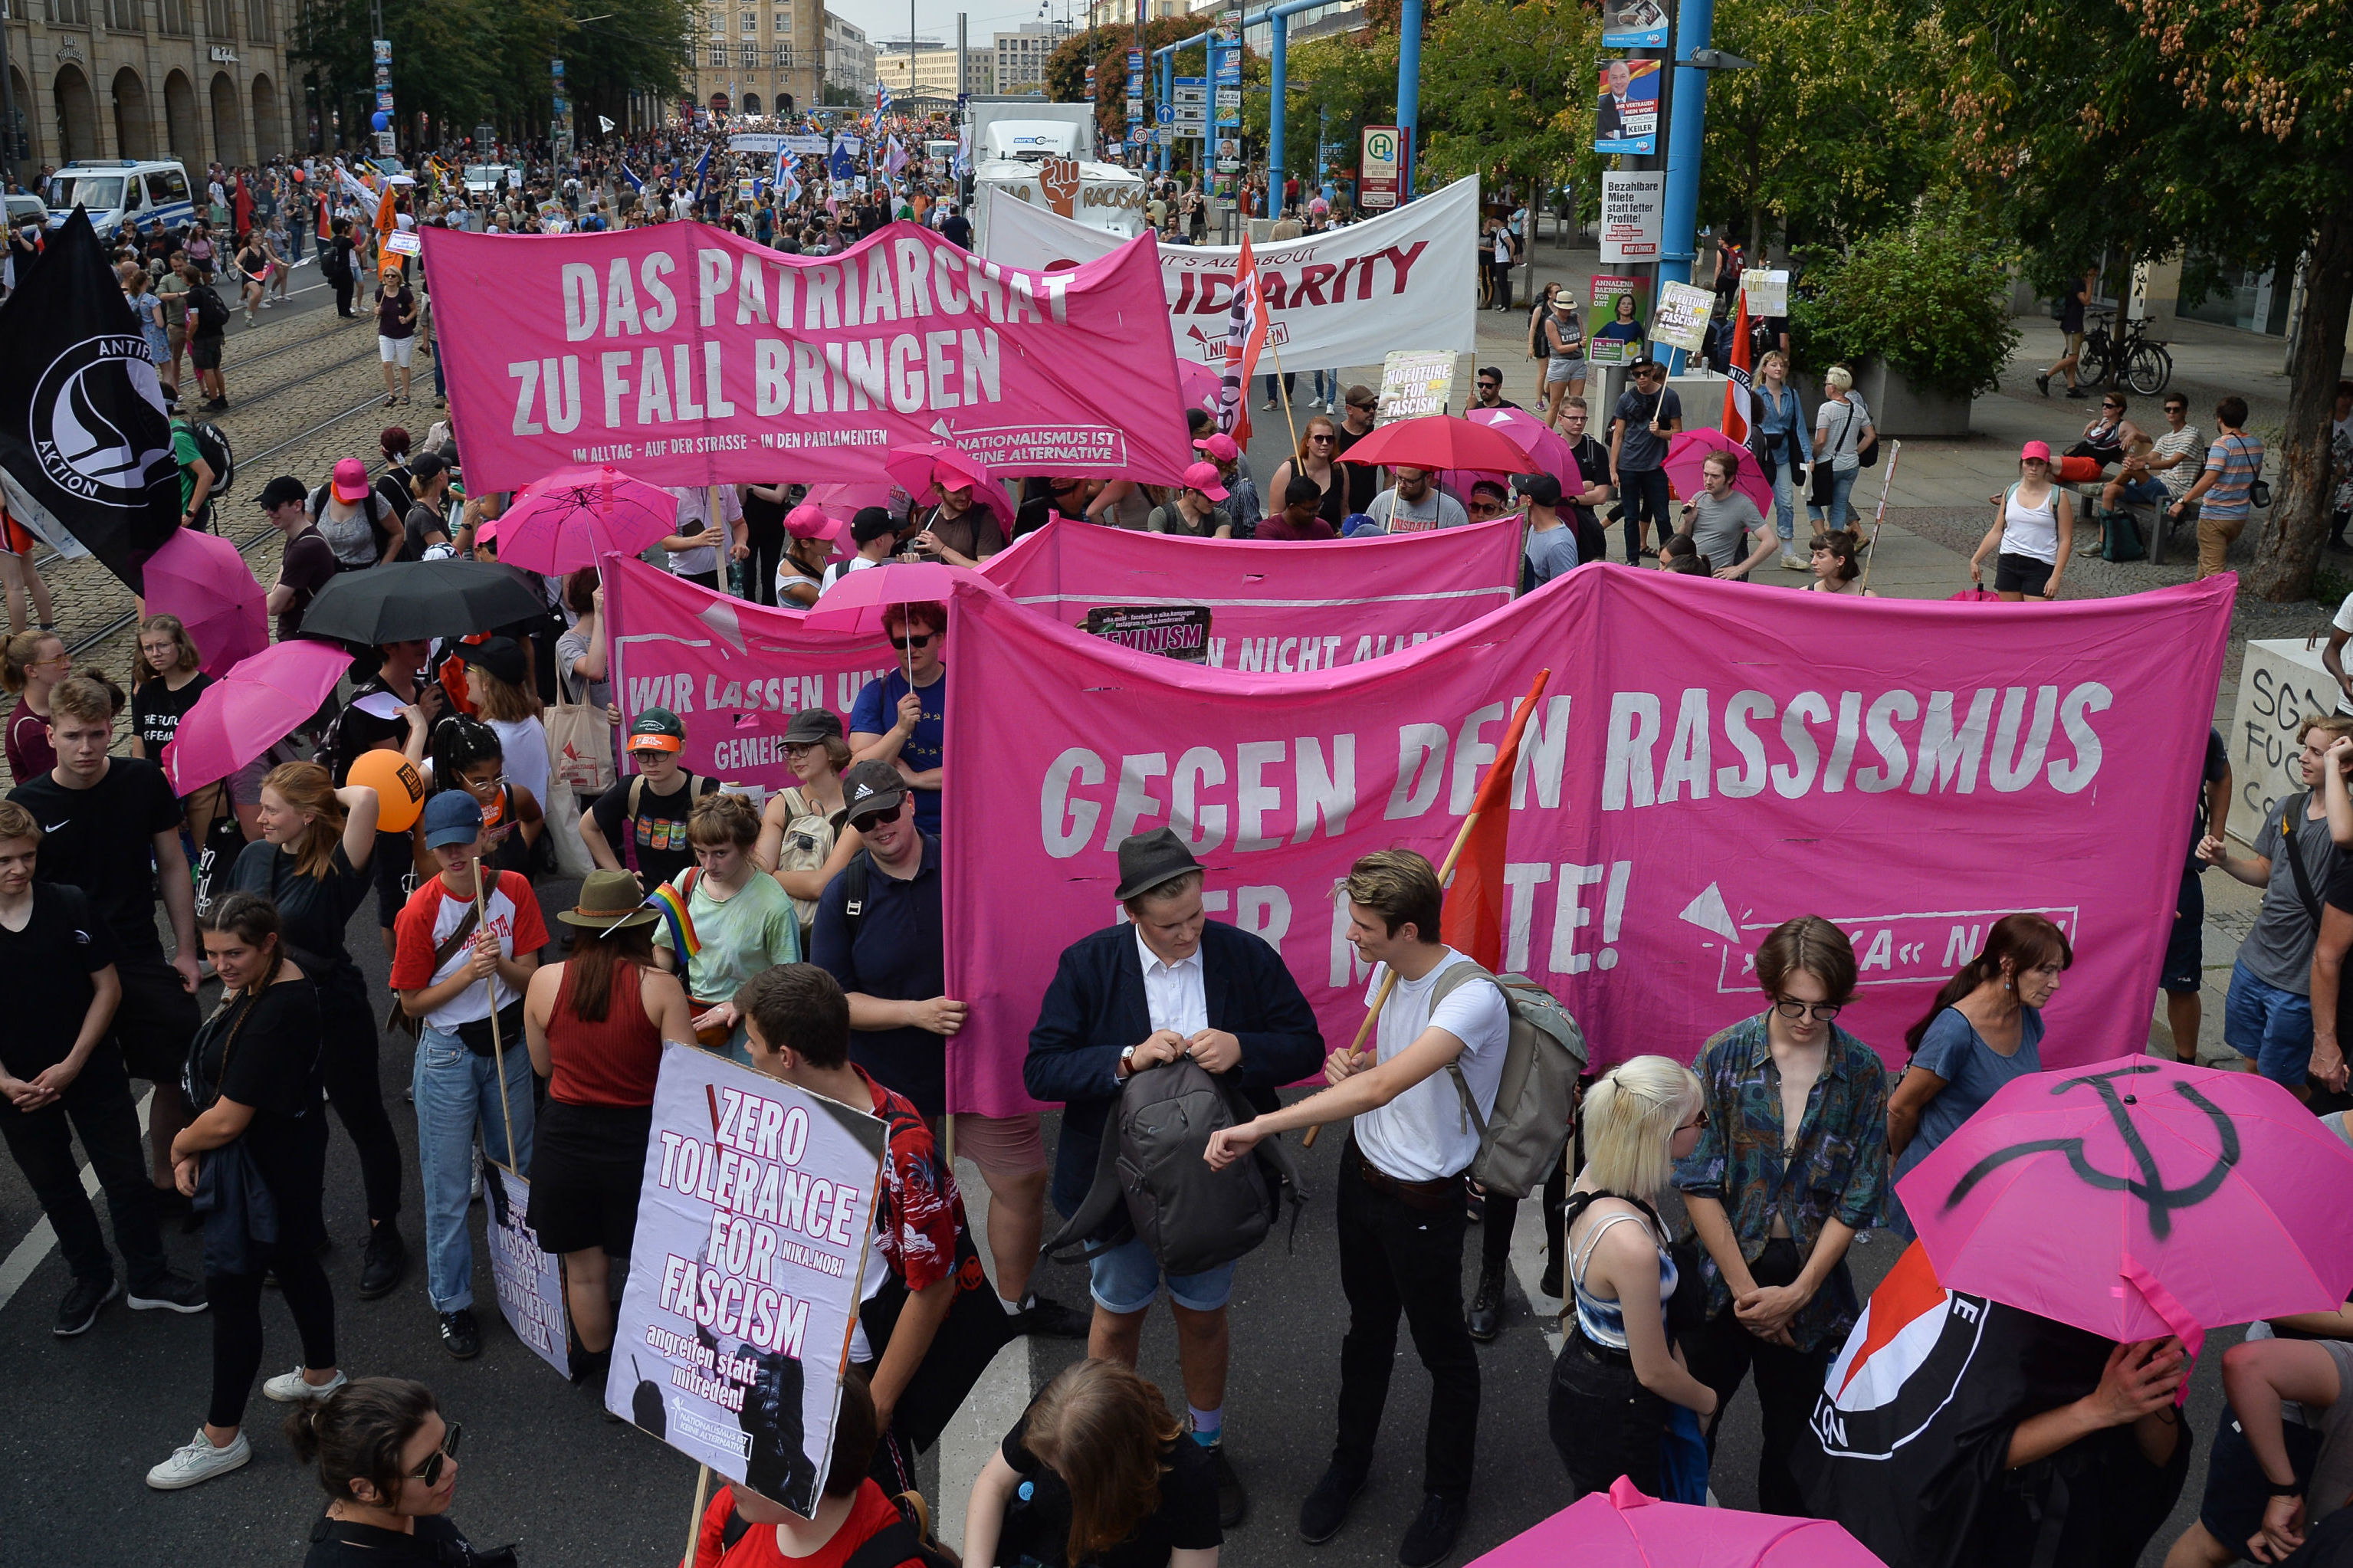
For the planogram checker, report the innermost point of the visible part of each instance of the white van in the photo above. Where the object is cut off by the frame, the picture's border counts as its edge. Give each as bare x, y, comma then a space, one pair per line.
114, 189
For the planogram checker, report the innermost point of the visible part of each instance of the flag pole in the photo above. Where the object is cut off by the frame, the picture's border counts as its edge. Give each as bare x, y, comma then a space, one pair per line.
1886, 483
1470, 821
497, 1047
694, 1528
1284, 383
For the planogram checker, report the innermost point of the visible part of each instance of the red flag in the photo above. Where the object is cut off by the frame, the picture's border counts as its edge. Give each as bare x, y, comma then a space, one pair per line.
1472, 920
1245, 336
1736, 391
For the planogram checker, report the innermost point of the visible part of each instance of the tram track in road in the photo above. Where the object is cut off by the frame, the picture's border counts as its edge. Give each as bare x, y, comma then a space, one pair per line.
125, 621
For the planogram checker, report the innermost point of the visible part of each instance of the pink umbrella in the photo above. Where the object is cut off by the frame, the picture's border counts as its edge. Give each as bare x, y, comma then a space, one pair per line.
1622, 1528
1201, 386
250, 710
1545, 451
918, 467
2138, 1197
846, 496
203, 579
564, 522
1688, 449
856, 603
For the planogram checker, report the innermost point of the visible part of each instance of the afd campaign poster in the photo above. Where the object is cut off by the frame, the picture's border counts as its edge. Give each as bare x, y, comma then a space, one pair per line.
753, 1226
1633, 25
1627, 120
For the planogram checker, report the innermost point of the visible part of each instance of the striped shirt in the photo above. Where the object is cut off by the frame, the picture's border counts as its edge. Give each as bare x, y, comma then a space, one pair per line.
2172, 444
2234, 460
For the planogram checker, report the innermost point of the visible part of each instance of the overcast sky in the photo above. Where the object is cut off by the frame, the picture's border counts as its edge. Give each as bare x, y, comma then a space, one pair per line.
937, 18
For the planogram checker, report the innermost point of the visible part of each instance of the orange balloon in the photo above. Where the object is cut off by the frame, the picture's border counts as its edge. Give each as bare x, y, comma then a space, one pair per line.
399, 788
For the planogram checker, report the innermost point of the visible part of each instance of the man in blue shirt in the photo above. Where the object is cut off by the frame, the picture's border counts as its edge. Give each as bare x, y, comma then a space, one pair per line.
890, 957
903, 721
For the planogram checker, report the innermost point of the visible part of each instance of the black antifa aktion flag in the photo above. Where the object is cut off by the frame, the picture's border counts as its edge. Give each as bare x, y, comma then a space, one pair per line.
85, 445
1908, 1446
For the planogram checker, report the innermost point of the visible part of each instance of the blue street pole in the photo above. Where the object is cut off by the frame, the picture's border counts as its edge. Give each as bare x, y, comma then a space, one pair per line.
1167, 95
1281, 31
1409, 93
1686, 132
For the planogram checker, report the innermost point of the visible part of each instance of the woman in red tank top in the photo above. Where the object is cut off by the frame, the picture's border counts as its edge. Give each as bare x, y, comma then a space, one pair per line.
596, 1024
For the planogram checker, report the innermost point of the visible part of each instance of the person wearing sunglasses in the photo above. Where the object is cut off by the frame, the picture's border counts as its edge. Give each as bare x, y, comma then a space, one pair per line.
1315, 462
389, 1464
1491, 389
1791, 1164
902, 718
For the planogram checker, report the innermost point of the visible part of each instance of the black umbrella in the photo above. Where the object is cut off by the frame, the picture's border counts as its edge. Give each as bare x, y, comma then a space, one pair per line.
416, 599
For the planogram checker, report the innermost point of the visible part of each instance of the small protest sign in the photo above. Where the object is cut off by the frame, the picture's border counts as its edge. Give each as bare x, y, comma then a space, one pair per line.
1179, 631
1414, 382
1767, 293
403, 242
530, 1279
754, 1220
1681, 320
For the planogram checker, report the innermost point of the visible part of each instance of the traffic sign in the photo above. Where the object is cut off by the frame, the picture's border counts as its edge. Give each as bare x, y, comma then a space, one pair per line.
1384, 167
1164, 114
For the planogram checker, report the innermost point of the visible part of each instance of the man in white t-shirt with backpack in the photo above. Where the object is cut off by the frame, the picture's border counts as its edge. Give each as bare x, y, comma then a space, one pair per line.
1400, 1204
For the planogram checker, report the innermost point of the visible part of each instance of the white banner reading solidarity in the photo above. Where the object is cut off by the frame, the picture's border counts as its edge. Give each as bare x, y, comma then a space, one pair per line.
753, 1226
1342, 298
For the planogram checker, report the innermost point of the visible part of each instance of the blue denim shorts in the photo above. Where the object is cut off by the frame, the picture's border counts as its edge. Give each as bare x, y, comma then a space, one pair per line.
1127, 1280
2271, 1027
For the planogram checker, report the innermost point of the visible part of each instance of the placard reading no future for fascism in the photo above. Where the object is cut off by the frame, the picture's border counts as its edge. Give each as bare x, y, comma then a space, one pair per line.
752, 1224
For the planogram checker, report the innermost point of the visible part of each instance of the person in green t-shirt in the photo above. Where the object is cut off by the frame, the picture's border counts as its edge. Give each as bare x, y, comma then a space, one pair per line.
743, 921
196, 476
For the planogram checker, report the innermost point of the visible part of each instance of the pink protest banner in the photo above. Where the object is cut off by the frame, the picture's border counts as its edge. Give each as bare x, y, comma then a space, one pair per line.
1273, 605
688, 355
1710, 759
736, 672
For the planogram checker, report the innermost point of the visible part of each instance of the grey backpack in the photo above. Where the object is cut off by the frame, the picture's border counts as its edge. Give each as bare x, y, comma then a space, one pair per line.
1152, 1182
1536, 1101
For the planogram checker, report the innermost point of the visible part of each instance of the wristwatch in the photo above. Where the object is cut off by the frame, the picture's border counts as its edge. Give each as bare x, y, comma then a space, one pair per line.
1126, 1062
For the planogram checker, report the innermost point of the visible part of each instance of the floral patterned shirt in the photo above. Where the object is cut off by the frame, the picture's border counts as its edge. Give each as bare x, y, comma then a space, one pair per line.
919, 1225
1837, 1171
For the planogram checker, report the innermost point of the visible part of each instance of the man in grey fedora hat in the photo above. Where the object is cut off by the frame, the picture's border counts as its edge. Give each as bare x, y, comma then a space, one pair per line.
1168, 981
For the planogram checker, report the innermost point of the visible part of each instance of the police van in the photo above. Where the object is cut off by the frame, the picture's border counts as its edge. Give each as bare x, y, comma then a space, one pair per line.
111, 190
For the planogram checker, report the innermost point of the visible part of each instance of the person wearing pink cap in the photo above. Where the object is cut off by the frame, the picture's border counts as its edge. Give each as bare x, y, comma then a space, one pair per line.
958, 529
357, 522
1233, 472
1194, 509
808, 546
2033, 531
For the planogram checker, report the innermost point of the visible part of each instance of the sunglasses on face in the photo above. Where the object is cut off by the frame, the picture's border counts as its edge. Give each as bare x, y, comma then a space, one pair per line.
1484, 509
429, 1472
920, 639
1822, 1012
1694, 1124
1320, 436
1491, 386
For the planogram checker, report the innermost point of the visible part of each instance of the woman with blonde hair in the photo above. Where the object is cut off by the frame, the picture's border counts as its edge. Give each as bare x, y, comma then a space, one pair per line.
1096, 1471
1842, 434
313, 863
166, 678
805, 841
1317, 460
1782, 446
1619, 1377
740, 922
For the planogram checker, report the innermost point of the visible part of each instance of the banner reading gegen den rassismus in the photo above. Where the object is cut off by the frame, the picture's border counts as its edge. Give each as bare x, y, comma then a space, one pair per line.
754, 1220
688, 355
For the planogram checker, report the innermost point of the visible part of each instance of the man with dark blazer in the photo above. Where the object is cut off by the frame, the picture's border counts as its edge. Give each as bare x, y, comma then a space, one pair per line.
1166, 982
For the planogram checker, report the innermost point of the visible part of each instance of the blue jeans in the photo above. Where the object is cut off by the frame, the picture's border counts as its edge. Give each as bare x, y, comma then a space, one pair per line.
1784, 498
1843, 486
1327, 387
456, 1088
1127, 1280
2269, 1027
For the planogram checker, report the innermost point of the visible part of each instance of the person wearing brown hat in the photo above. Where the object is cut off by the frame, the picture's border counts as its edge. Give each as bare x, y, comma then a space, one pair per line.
594, 1025
1166, 982
891, 960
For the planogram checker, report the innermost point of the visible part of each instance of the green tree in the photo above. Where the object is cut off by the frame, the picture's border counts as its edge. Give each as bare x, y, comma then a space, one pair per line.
1335, 86
1506, 93
2222, 130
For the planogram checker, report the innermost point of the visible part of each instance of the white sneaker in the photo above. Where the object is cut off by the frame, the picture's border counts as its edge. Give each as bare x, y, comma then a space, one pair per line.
1793, 561
197, 1460
293, 1388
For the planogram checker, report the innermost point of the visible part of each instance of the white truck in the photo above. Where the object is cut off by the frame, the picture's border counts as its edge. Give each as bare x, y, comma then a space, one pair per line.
1029, 151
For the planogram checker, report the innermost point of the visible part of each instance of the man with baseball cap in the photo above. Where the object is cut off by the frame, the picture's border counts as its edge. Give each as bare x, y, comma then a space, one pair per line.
639, 824
1168, 981
872, 537
879, 932
306, 564
1552, 545
444, 957
1233, 469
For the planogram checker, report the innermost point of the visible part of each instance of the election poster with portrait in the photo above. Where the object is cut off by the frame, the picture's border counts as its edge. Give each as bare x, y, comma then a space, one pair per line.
753, 1219
1614, 327
1626, 119
1633, 25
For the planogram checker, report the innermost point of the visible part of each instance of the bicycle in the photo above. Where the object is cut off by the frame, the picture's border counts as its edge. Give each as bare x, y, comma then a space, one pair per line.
2144, 363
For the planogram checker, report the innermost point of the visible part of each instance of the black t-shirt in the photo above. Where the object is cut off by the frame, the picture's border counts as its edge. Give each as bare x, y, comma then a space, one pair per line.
64, 942
424, 519
957, 231
269, 1060
339, 1543
1036, 514
2218, 768
658, 834
307, 565
1187, 1519
156, 710
316, 909
1364, 479
102, 841
763, 519
2338, 895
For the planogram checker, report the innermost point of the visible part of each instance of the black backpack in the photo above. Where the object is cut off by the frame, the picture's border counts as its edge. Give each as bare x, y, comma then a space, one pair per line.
218, 454
208, 303
1152, 1182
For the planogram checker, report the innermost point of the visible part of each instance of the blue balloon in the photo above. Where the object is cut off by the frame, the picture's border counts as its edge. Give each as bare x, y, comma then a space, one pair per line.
380, 121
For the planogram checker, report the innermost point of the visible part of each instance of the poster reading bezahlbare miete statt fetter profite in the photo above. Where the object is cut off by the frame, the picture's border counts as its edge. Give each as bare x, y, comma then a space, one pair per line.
752, 1224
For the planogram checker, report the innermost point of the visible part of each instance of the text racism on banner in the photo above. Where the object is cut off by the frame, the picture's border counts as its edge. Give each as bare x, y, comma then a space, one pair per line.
529, 1279
737, 673
692, 356
1911, 771
1343, 297
753, 1226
